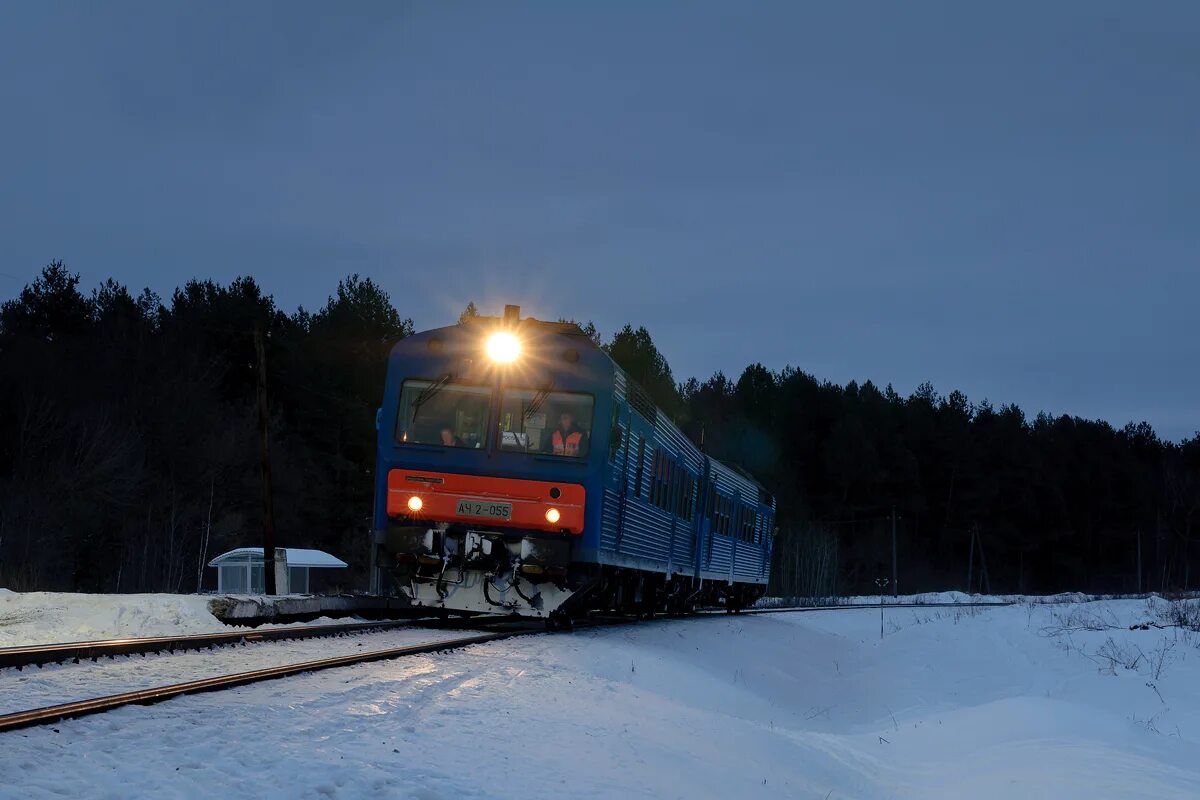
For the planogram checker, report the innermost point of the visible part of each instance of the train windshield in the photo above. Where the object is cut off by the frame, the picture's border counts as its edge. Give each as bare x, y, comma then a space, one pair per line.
544, 421
442, 412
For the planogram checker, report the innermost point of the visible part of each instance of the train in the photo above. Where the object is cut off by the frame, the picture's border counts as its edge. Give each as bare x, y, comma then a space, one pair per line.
520, 471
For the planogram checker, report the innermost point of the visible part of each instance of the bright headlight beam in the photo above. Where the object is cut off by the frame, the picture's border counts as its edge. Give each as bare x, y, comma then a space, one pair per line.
552, 516
415, 503
503, 348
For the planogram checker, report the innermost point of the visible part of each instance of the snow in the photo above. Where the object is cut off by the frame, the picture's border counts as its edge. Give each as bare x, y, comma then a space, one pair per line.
29, 618
64, 683
1029, 701
954, 597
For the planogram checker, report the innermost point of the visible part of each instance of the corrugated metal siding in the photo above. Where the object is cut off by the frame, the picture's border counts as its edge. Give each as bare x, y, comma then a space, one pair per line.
646, 530
746, 556
608, 524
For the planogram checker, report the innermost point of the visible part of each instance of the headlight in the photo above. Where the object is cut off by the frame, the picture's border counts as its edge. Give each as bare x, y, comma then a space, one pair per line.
415, 503
503, 348
552, 515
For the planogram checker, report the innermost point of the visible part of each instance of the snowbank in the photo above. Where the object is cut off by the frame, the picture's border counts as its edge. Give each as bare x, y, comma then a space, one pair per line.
936, 598
28, 618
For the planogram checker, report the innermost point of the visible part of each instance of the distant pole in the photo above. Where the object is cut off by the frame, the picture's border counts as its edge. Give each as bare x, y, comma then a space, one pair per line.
895, 582
265, 456
987, 581
1139, 542
971, 561
882, 584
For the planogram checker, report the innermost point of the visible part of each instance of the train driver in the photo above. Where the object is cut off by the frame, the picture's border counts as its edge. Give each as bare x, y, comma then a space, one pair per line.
568, 438
448, 437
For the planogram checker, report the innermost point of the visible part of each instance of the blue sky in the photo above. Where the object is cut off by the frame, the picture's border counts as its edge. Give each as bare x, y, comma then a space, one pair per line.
999, 198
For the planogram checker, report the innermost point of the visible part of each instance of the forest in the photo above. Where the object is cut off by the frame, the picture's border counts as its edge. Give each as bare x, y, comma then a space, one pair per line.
129, 454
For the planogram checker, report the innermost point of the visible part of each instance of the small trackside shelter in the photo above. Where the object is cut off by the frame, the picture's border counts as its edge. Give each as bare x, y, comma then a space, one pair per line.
240, 571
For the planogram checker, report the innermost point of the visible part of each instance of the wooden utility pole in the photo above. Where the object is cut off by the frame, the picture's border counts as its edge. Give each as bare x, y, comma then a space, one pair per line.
987, 582
265, 456
971, 562
1139, 564
895, 582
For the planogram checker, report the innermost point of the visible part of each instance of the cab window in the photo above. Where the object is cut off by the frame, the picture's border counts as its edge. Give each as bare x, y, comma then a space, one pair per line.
444, 413
542, 421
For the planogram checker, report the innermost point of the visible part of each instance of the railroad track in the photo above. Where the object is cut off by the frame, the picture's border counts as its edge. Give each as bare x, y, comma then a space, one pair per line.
36, 655
47, 714
511, 627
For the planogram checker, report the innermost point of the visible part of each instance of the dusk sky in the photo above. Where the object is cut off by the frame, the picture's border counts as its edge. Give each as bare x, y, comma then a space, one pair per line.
1002, 198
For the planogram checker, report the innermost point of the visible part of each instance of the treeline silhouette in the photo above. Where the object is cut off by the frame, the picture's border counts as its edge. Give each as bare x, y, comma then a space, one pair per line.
129, 454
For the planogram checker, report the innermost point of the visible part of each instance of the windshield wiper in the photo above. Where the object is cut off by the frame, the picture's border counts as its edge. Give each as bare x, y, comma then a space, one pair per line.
429, 391
538, 399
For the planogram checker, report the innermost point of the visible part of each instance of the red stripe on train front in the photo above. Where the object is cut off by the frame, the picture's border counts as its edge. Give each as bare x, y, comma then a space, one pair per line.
483, 499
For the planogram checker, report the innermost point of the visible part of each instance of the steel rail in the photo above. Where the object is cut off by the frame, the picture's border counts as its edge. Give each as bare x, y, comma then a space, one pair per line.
41, 716
29, 655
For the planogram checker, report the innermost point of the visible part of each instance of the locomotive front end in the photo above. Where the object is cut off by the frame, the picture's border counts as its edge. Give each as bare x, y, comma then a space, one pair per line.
482, 491
483, 543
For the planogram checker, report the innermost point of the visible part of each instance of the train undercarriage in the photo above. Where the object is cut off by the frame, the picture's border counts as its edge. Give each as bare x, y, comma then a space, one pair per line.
510, 572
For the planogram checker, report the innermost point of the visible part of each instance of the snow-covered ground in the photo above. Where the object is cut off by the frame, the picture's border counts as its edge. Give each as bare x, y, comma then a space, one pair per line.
1028, 701
941, 598
28, 618
34, 687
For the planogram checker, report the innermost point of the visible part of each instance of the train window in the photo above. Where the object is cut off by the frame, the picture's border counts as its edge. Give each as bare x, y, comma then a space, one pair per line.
676, 489
684, 498
656, 465
668, 499
677, 505
542, 421
662, 484
681, 501
614, 436
442, 412
641, 463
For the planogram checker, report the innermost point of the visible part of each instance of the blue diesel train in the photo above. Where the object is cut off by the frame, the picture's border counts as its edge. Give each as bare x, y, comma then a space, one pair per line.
520, 471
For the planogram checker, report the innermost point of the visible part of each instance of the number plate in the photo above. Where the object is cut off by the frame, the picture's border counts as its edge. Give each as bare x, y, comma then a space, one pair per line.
478, 508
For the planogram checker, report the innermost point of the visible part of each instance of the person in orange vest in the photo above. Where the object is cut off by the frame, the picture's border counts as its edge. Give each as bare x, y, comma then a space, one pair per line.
568, 438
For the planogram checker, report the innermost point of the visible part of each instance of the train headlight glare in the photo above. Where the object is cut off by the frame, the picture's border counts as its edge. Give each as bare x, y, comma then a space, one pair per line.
552, 515
503, 348
415, 503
